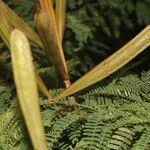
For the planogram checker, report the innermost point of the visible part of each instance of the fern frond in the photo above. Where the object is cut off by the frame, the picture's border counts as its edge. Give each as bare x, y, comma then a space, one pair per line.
60, 126
95, 133
121, 139
145, 87
13, 131
122, 90
143, 143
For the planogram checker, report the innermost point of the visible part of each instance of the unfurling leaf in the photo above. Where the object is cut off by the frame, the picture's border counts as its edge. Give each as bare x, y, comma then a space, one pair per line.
47, 28
25, 81
112, 63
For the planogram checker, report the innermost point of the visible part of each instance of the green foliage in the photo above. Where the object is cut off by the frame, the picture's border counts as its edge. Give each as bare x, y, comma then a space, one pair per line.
12, 130
113, 114
24, 8
5, 96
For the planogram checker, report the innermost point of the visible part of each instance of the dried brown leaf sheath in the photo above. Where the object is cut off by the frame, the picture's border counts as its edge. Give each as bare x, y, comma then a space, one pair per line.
5, 29
60, 13
47, 29
6, 26
17, 22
